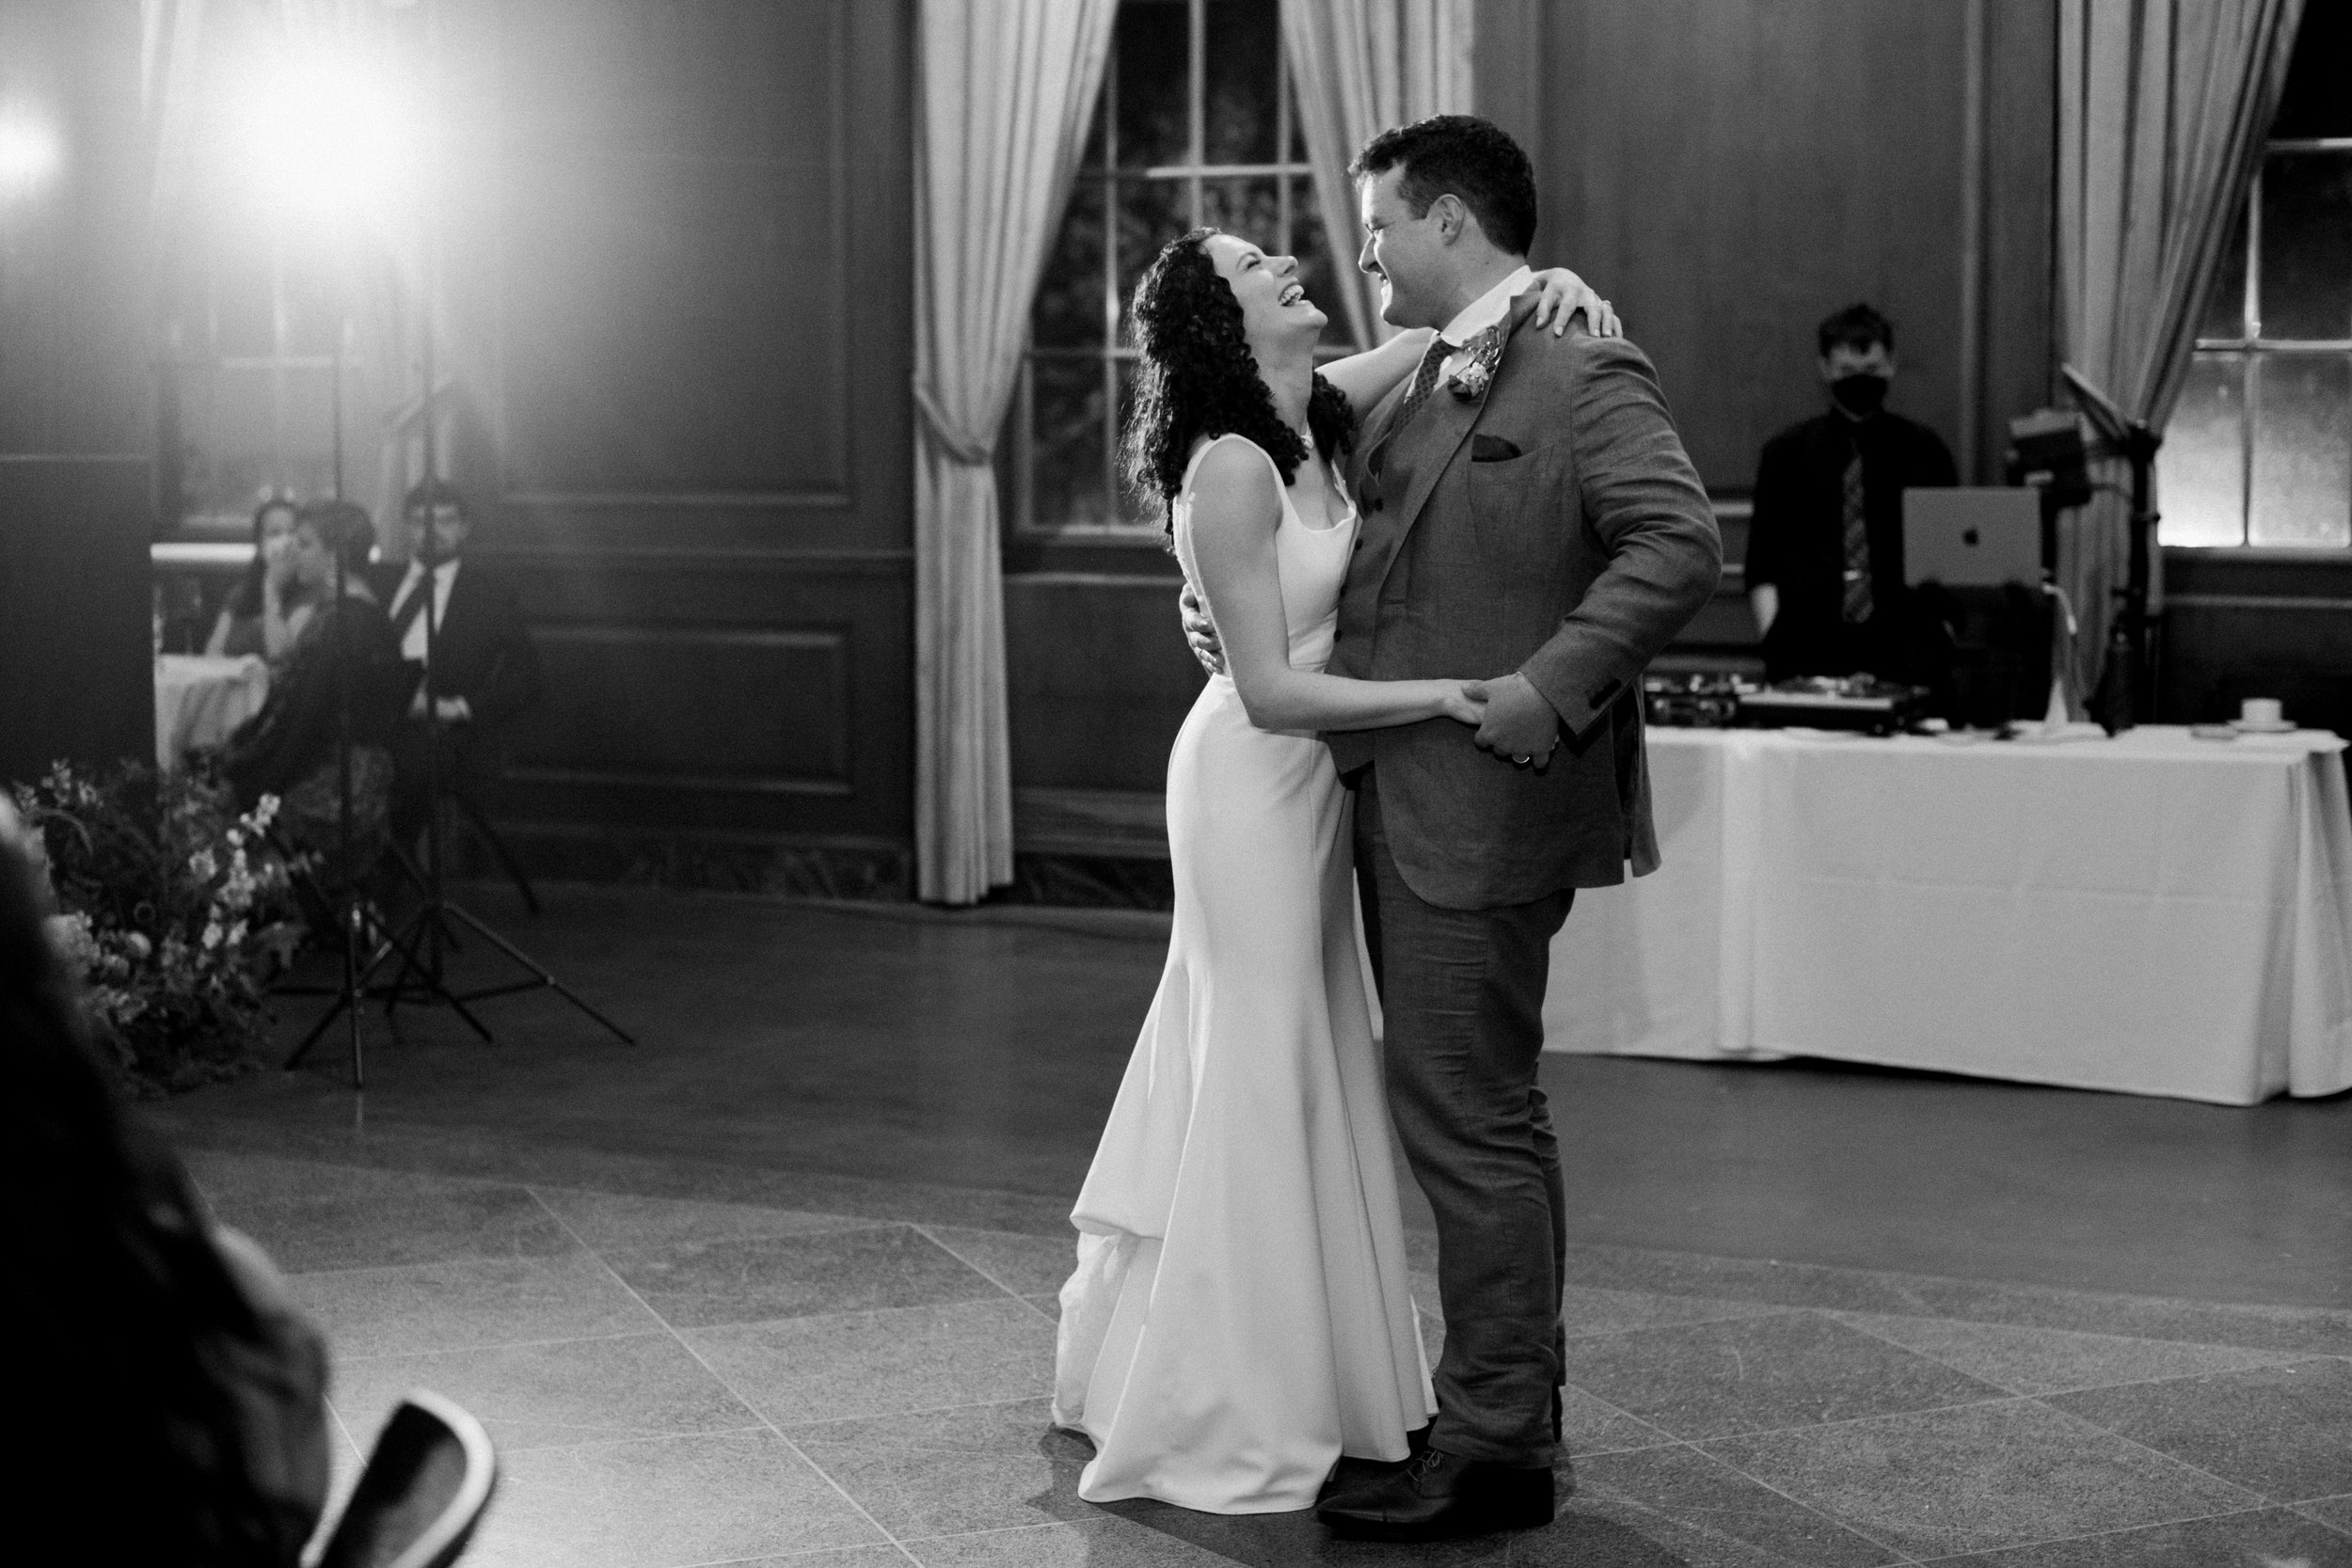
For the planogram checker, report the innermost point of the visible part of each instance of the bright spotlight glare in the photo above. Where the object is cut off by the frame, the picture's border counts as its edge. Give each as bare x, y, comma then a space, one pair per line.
325, 136
29, 153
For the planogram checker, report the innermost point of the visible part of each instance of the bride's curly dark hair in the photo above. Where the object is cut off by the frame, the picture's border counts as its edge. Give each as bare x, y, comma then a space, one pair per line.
1199, 378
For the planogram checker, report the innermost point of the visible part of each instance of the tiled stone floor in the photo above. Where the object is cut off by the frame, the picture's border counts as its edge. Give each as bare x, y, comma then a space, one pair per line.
687, 1365
775, 1286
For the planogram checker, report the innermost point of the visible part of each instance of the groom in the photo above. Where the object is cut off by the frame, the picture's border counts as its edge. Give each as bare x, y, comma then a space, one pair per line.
1527, 507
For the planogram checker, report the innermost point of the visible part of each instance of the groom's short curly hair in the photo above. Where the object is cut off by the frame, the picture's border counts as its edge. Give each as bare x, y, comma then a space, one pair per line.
1471, 158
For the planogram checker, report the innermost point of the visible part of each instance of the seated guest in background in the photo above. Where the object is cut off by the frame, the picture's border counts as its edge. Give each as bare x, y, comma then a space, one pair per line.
268, 609
1825, 548
170, 1400
289, 749
485, 672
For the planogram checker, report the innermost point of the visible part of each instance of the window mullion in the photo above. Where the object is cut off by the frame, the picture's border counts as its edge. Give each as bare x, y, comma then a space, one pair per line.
1195, 95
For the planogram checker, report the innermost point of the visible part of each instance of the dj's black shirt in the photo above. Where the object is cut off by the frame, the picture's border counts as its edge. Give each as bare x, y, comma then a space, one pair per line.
1797, 536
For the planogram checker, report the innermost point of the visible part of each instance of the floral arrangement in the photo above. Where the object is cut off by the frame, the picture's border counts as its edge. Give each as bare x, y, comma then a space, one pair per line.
1470, 382
175, 911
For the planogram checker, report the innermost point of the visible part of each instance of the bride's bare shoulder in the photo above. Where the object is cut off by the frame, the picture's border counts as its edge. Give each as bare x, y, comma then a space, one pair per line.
1232, 481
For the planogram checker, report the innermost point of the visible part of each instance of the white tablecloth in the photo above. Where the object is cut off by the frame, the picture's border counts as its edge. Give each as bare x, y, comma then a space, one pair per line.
199, 700
2155, 913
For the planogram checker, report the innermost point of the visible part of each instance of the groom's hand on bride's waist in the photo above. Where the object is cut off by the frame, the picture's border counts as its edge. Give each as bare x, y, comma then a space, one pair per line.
1200, 631
1520, 726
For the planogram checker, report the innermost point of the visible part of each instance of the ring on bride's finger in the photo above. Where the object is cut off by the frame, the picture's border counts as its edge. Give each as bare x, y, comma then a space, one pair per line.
1522, 761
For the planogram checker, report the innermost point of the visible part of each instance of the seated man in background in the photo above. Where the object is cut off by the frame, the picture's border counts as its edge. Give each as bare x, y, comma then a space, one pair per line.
291, 747
484, 670
171, 1399
1825, 547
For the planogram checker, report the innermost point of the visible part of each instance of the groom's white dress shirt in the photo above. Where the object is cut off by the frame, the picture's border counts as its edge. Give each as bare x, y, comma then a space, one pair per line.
444, 577
1480, 314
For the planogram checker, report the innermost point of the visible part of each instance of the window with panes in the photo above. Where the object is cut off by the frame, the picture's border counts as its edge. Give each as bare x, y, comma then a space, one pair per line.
1195, 126
2259, 450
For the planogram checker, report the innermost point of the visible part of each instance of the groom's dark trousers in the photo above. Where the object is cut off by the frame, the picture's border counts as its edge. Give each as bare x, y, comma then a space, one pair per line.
1549, 524
1462, 1002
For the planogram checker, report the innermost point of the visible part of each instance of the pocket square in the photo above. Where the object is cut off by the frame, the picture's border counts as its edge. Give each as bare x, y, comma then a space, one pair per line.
1492, 449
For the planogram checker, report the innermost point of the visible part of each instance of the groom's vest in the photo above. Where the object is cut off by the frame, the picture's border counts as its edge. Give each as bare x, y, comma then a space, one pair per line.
1551, 526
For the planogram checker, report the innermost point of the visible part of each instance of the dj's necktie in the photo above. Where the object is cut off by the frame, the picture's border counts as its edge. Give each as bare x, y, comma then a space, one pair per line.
1857, 601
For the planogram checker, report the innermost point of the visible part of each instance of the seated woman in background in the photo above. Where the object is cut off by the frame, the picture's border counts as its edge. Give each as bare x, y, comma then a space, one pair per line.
289, 748
268, 609
170, 1400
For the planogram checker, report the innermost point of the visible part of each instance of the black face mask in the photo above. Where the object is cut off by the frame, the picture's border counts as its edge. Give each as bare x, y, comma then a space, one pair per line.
1861, 395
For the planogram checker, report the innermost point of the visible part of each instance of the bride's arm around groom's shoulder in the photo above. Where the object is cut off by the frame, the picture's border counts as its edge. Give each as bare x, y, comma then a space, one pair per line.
1636, 493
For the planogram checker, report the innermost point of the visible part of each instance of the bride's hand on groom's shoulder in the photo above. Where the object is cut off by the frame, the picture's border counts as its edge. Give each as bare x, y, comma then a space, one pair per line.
1563, 294
1200, 631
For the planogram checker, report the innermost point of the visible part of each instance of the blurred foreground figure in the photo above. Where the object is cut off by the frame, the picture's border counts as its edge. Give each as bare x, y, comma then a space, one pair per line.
169, 1401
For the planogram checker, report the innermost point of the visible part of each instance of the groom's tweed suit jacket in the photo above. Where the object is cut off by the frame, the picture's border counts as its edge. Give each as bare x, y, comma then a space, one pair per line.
1573, 562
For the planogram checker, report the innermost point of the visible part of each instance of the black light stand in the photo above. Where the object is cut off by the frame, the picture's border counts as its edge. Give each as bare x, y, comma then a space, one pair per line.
356, 921
421, 976
431, 922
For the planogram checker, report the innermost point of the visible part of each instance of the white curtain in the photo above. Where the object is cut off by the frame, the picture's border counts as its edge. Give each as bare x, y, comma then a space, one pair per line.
1360, 67
2163, 106
1006, 90
171, 41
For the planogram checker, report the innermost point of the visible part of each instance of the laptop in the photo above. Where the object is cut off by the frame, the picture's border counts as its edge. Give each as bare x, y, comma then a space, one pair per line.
1972, 538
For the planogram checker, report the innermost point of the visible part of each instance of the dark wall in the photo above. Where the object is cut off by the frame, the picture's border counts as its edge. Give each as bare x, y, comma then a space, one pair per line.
680, 266
2241, 623
1729, 171
75, 509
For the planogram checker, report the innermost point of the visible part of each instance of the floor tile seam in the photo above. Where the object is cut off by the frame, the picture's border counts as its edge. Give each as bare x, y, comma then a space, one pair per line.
654, 1331
2099, 1534
344, 1427
2335, 1316
1900, 1555
2302, 1511
925, 1233
1767, 1311
2269, 1357
803, 1427
1929, 1355
848, 1221
1827, 1426
755, 1426
2130, 1441
733, 1392
883, 1187
840, 1317
437, 1262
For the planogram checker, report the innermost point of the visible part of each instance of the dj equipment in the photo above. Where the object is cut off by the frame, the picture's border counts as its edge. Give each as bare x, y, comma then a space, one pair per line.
1835, 702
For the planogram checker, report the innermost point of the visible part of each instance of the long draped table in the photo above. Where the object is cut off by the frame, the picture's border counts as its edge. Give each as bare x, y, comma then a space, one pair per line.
2155, 913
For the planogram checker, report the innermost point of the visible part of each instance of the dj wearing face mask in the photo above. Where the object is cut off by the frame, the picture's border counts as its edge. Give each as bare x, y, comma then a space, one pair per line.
1825, 548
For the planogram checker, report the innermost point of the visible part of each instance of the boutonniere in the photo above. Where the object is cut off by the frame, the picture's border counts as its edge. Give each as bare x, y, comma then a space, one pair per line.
1471, 381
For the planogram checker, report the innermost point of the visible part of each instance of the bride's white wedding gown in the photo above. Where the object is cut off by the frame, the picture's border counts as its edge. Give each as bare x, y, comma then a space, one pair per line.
1239, 1317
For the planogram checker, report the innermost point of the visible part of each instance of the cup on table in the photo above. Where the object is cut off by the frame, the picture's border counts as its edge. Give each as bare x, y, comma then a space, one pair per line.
2262, 711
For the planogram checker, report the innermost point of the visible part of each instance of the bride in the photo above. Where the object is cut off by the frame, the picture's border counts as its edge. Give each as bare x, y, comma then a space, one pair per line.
1239, 1317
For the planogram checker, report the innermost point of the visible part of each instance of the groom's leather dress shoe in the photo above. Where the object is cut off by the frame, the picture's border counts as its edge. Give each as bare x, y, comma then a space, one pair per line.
1351, 1476
1438, 1495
